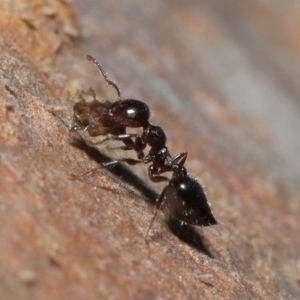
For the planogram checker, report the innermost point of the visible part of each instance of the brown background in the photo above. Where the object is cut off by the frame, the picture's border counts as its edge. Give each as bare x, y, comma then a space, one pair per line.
222, 79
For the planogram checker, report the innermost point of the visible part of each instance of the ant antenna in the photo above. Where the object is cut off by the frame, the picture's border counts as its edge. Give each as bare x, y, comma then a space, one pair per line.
110, 82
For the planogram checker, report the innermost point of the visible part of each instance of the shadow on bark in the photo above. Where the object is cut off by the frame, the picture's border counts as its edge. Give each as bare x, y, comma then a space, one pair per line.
186, 233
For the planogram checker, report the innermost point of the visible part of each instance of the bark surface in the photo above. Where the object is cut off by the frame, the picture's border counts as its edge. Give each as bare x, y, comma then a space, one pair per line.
222, 80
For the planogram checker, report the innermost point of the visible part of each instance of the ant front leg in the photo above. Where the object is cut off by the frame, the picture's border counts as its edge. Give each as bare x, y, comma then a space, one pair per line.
138, 145
125, 138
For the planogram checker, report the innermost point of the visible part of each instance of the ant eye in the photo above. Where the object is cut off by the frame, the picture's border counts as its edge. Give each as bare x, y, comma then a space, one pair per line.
186, 201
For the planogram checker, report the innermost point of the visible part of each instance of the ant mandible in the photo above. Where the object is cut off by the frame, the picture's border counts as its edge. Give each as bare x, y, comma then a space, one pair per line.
183, 195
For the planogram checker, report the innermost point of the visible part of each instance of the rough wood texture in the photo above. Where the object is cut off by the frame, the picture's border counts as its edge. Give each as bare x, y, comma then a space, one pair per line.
222, 79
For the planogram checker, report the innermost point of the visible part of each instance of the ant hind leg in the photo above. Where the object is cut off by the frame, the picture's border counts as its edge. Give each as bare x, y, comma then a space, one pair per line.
129, 161
159, 201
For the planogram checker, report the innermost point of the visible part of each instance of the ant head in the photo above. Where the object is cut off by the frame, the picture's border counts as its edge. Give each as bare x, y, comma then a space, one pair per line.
186, 201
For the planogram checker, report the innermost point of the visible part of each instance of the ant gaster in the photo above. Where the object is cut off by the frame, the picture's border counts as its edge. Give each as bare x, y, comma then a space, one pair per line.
183, 196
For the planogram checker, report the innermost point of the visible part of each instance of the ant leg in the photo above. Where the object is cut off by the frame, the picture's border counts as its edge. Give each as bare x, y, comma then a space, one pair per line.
125, 148
158, 178
121, 137
154, 172
179, 159
159, 201
138, 145
129, 161
104, 74
151, 223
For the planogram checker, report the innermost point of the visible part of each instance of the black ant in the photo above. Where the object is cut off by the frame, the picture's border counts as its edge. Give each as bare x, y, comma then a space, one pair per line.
183, 196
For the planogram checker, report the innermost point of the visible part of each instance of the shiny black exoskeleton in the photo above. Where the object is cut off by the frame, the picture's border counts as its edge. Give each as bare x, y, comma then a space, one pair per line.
183, 196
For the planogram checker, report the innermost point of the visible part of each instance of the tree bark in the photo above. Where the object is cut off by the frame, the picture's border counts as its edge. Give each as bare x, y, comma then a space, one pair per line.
222, 80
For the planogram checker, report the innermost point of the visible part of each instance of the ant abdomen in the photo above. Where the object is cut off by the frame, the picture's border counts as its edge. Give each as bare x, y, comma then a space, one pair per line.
186, 201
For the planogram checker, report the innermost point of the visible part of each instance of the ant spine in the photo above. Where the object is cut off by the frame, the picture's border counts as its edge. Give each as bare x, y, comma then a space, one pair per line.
182, 195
